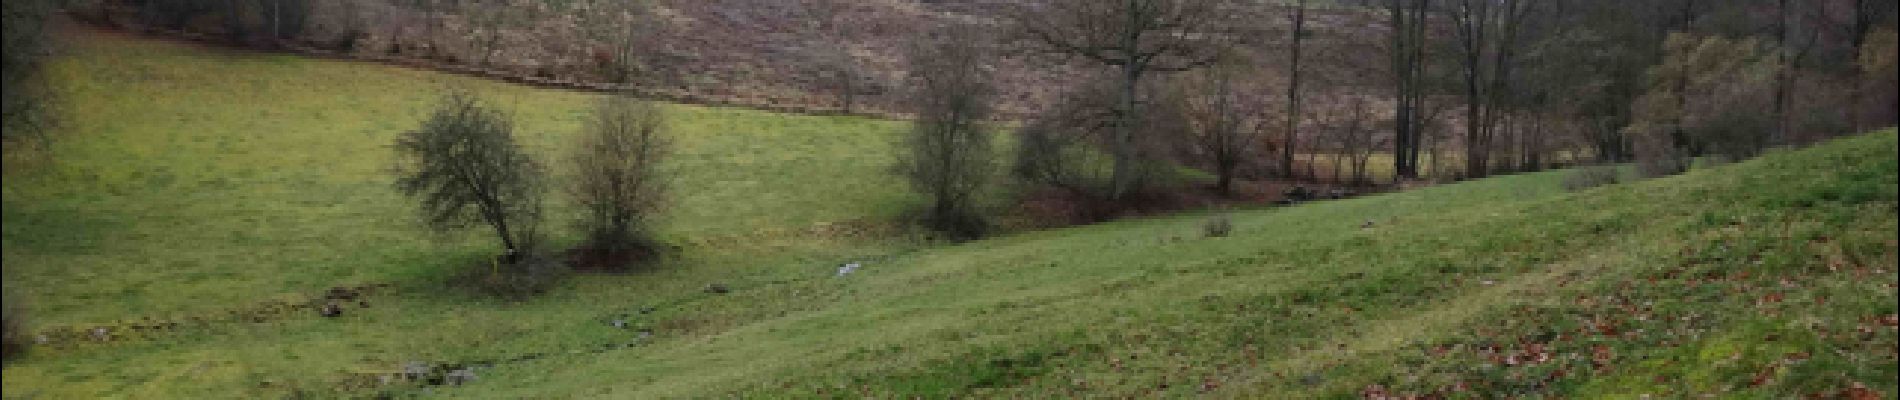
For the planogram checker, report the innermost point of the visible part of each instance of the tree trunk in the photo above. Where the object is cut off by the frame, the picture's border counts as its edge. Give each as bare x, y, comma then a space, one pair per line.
850, 85
1783, 73
1474, 17
1534, 146
1122, 178
1226, 183
1293, 90
276, 21
1863, 22
507, 238
1407, 67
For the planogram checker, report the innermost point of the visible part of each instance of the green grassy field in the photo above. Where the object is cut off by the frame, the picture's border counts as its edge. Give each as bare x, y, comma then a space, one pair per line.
192, 181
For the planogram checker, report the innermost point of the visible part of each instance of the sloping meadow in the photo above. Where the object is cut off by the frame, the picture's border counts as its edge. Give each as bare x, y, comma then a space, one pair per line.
206, 187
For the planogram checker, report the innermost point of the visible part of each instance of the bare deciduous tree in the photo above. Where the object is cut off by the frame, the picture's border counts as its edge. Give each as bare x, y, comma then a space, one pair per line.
1223, 118
489, 21
627, 32
832, 54
464, 166
947, 154
1487, 36
1408, 21
1289, 146
1136, 38
618, 181
283, 19
1055, 147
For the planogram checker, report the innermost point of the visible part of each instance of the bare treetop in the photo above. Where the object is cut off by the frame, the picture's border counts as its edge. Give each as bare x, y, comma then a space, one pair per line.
1153, 35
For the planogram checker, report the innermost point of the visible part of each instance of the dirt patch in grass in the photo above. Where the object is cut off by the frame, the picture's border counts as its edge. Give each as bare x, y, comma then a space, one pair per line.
609, 260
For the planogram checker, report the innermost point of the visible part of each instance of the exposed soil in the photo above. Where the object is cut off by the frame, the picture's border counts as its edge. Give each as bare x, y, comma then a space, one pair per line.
590, 259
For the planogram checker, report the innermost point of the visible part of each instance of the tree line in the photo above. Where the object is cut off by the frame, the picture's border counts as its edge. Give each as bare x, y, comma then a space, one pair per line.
1479, 86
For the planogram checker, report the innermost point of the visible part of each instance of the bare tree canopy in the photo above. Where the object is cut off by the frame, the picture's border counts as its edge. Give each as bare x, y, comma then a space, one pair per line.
1136, 38
948, 155
618, 181
1224, 119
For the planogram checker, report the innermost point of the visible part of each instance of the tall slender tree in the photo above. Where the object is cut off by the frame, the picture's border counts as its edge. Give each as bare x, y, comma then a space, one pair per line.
1297, 38
1487, 36
1408, 42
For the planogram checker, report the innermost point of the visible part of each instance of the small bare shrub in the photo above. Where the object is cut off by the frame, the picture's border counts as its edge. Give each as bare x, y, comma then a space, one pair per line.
1589, 177
1218, 226
618, 182
1657, 155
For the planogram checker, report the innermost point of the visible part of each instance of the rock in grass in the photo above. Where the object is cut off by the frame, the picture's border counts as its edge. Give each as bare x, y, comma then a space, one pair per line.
415, 370
330, 310
459, 377
1217, 226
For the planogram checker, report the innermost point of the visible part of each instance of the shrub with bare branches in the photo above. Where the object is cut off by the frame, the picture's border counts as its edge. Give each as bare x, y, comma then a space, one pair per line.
947, 156
618, 181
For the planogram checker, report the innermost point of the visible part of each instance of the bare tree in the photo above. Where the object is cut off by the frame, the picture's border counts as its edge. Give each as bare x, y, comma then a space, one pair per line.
1791, 49
1361, 144
463, 165
947, 155
628, 32
1290, 145
1347, 129
831, 52
1223, 119
618, 181
842, 70
489, 20
284, 19
1135, 37
1055, 145
1487, 33
1408, 22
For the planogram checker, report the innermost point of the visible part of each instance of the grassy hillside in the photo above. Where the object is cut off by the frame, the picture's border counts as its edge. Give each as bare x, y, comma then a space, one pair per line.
249, 152
262, 177
259, 177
